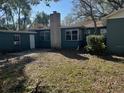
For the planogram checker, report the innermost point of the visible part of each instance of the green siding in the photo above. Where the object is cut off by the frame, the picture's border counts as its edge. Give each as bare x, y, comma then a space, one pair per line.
7, 42
25, 42
45, 44
40, 43
37, 41
115, 35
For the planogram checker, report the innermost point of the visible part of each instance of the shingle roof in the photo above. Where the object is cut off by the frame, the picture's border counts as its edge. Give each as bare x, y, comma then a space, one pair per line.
90, 24
10, 31
114, 13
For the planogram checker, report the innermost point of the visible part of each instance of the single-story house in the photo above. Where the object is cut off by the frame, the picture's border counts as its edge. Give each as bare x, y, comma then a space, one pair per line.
53, 37
115, 31
64, 37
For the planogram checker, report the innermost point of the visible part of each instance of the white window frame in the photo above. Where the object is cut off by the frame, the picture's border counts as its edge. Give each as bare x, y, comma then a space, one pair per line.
71, 30
44, 35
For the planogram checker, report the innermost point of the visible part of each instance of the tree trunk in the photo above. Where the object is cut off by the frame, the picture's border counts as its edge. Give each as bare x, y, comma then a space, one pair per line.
13, 21
94, 21
19, 19
95, 25
24, 22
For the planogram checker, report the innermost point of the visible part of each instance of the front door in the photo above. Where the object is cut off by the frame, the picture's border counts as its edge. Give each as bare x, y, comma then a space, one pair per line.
32, 42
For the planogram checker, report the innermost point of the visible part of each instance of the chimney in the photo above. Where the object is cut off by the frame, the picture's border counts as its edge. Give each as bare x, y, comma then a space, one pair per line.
55, 30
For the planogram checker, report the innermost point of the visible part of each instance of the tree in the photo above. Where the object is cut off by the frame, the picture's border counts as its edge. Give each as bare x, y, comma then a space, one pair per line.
42, 18
2, 23
86, 8
12, 8
68, 20
21, 8
94, 9
116, 4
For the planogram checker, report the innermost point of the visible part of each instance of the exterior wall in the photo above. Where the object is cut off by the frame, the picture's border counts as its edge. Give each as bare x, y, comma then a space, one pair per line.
115, 35
71, 44
40, 43
7, 42
7, 39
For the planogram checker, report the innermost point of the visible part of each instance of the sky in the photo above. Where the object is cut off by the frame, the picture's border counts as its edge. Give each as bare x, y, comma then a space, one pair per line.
63, 6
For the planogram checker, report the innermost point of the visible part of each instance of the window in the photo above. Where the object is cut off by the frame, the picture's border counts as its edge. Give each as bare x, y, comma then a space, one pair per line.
17, 39
103, 31
74, 35
71, 35
45, 35
88, 32
68, 35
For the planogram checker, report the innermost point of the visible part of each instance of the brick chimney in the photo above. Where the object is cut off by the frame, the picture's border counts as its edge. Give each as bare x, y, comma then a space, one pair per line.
55, 30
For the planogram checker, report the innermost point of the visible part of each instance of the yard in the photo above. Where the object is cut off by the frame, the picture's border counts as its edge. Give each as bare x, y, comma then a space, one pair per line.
65, 71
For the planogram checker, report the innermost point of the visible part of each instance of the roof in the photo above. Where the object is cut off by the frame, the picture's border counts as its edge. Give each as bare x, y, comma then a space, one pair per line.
63, 27
37, 25
116, 14
10, 31
90, 24
39, 28
70, 27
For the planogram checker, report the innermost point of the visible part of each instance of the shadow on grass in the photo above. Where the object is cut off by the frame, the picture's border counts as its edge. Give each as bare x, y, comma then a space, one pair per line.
12, 77
116, 59
7, 56
72, 54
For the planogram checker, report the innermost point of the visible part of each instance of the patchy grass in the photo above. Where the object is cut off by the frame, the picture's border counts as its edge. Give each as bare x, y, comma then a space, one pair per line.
63, 72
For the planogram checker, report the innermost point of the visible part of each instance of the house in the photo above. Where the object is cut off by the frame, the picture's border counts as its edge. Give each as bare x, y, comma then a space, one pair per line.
53, 37
69, 37
115, 31
64, 37
12, 41
57, 36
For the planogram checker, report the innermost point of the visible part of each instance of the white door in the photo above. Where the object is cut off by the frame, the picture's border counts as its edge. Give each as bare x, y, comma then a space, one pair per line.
32, 42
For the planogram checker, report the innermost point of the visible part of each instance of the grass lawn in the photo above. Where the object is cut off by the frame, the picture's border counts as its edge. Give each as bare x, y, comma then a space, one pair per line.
64, 71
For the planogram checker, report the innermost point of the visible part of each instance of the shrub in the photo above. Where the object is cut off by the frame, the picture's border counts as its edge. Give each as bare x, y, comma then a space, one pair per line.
95, 44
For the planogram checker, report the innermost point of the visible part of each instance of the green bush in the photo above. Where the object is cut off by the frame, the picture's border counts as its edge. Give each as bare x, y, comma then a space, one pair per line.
95, 44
